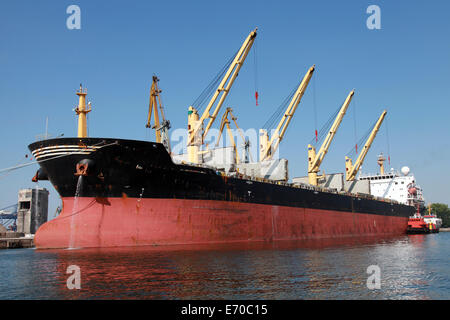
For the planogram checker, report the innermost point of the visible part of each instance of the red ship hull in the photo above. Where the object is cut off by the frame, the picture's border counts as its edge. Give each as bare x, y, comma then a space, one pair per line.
113, 222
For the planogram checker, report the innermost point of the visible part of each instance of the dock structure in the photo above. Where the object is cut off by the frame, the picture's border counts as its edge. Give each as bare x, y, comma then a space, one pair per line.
10, 240
32, 209
32, 212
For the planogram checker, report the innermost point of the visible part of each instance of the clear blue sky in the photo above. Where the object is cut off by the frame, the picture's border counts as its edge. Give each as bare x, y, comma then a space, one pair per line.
404, 67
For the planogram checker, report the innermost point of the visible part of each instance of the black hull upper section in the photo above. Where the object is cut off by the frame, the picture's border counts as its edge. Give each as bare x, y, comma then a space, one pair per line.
117, 168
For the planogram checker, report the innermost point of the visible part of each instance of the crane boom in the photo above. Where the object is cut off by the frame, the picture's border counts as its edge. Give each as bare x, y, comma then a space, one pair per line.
248, 154
161, 127
195, 125
226, 122
268, 148
315, 160
350, 169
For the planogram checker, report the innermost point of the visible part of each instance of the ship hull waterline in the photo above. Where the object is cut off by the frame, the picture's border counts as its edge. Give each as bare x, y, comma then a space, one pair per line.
116, 222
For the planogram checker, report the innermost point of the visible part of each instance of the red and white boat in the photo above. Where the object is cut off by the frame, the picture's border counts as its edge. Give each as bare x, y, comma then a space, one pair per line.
423, 224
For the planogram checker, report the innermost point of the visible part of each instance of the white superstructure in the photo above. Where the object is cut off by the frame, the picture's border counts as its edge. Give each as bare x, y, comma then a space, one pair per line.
395, 186
433, 219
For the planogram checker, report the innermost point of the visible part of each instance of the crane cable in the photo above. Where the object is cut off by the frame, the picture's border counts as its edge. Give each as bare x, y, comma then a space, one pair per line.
326, 127
13, 205
361, 141
387, 139
315, 108
354, 124
207, 93
270, 123
255, 62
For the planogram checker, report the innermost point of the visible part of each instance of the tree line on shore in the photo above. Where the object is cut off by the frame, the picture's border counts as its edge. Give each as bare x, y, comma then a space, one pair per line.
442, 211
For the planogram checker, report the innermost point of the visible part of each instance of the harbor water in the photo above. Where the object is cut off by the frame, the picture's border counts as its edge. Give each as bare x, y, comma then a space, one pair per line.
411, 267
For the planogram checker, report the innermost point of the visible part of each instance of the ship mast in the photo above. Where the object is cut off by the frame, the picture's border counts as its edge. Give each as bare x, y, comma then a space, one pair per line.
82, 111
380, 162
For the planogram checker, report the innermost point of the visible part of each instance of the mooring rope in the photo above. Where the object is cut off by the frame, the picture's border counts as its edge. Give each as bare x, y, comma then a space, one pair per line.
52, 158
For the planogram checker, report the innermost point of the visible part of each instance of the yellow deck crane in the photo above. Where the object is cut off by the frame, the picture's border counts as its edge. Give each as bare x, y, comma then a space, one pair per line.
269, 147
226, 122
350, 169
162, 126
315, 160
196, 134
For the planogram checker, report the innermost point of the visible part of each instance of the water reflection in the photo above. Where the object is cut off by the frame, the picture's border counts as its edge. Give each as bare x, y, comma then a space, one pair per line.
412, 267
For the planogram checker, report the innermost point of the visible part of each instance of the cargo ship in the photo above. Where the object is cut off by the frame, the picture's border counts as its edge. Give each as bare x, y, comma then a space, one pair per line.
118, 192
126, 193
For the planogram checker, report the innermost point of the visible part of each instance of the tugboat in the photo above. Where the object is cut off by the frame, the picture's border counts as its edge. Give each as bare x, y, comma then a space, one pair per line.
419, 224
433, 220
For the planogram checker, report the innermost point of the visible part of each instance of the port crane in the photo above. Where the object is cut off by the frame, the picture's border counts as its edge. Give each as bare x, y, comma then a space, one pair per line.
315, 159
226, 122
9, 218
196, 133
162, 126
350, 169
269, 147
